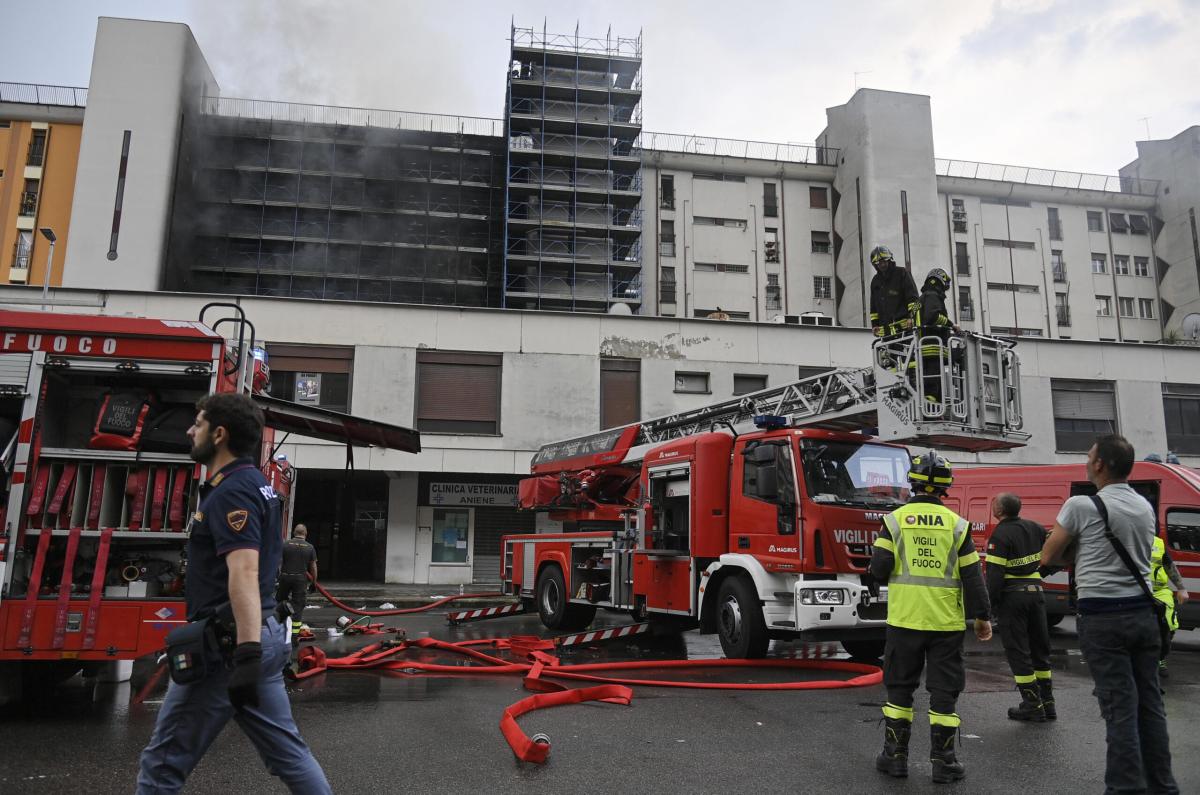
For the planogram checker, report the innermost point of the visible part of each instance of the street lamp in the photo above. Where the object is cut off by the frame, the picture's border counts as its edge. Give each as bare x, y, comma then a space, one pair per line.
48, 233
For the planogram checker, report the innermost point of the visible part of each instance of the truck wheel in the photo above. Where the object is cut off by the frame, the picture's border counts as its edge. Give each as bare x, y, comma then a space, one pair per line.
554, 609
864, 649
740, 622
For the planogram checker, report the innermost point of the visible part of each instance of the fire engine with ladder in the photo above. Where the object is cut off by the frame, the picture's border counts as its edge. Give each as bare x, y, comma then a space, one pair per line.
754, 517
96, 483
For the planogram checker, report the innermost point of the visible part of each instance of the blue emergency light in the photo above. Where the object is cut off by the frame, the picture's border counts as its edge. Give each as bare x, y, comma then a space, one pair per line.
770, 422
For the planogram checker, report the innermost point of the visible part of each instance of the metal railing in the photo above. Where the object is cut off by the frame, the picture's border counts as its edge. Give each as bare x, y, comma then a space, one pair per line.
266, 110
1060, 273
574, 213
576, 178
29, 200
598, 287
596, 251
969, 169
35, 94
578, 145
609, 45
21, 256
966, 312
749, 150
1063, 315
581, 112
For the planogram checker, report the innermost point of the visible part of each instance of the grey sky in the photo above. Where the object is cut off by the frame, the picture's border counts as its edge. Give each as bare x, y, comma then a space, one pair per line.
1059, 84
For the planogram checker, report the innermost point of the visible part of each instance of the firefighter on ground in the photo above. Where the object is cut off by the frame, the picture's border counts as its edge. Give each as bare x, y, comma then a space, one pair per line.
932, 319
925, 555
894, 298
1169, 589
1014, 582
299, 563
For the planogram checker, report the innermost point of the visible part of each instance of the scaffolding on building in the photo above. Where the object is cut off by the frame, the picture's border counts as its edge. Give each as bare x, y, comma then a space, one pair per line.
573, 186
311, 201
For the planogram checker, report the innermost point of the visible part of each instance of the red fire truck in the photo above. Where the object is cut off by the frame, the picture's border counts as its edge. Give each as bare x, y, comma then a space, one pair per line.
1173, 491
754, 518
97, 484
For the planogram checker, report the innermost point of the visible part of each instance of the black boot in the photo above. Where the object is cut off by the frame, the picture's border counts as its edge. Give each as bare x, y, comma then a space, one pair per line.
893, 759
1030, 708
946, 767
1046, 691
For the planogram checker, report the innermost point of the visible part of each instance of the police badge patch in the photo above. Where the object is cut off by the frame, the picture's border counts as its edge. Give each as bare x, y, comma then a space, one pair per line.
237, 519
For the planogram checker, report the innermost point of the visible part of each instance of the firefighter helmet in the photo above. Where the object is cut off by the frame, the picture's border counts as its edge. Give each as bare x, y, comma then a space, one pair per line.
881, 254
938, 279
930, 473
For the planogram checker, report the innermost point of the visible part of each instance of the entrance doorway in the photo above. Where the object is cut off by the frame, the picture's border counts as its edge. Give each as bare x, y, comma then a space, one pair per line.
346, 515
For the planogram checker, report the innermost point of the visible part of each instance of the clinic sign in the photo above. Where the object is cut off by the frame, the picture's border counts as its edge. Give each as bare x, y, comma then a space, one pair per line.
479, 495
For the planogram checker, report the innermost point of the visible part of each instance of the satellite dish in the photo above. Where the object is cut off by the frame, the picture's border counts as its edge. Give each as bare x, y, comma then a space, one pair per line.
620, 309
1191, 327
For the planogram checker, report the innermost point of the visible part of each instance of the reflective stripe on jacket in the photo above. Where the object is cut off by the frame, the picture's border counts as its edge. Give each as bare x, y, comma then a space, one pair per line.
925, 586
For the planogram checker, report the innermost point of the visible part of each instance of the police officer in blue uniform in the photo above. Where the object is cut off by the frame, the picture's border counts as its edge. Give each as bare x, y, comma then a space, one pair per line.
233, 553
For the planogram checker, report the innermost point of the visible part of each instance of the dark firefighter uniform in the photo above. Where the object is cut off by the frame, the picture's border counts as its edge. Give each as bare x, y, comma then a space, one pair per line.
925, 555
298, 554
932, 319
893, 295
1014, 581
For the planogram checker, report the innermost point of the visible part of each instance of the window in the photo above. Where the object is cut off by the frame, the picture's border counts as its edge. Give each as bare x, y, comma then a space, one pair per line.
721, 267
1121, 264
774, 458
620, 392
668, 285
744, 383
666, 191
1095, 221
962, 260
1054, 222
822, 287
451, 534
706, 220
1141, 266
774, 297
818, 198
1083, 410
1099, 263
771, 245
1183, 525
29, 198
37, 148
965, 310
1062, 309
958, 214
821, 243
1146, 308
666, 238
770, 201
313, 375
1181, 404
807, 371
719, 177
1117, 223
1058, 265
1125, 307
992, 241
1013, 288
691, 383
1139, 224
458, 392
1103, 306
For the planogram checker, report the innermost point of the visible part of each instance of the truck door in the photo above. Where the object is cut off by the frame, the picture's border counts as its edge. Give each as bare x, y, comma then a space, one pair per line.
763, 500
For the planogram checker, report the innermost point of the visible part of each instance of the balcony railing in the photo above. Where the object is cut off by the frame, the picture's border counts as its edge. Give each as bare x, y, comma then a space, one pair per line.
578, 145
29, 200
582, 179
749, 150
1063, 315
1060, 273
21, 256
666, 246
966, 312
265, 110
581, 112
969, 169
573, 213
32, 94
613, 46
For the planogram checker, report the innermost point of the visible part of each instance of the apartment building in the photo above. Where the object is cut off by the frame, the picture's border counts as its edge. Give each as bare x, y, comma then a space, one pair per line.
40, 128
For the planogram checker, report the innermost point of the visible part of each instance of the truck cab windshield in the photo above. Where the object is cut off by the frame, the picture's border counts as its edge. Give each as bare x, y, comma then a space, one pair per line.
860, 475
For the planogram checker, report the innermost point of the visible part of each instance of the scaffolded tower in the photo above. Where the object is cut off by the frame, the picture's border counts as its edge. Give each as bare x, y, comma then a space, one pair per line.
573, 189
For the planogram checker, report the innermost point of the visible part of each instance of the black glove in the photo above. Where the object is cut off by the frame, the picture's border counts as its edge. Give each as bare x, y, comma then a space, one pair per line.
243, 680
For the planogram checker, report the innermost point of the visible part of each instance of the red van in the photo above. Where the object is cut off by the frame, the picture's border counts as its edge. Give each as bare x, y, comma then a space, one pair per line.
1173, 491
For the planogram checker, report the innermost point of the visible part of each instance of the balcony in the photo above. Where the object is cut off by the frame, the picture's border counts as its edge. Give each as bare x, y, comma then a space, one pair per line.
29, 200
1063, 314
966, 312
666, 246
1060, 274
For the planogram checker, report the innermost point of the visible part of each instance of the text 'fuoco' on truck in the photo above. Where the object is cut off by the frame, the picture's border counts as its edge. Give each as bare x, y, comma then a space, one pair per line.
755, 517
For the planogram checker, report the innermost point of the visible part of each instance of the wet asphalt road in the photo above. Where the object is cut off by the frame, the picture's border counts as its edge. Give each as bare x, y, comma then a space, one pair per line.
374, 731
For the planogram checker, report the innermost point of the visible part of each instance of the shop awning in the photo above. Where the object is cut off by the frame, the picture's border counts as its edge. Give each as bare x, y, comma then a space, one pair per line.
333, 426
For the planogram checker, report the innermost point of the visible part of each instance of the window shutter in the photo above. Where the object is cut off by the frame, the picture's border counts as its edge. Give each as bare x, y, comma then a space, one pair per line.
1084, 405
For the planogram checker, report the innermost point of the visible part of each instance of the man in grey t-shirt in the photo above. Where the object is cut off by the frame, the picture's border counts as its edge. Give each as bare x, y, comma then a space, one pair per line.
1118, 629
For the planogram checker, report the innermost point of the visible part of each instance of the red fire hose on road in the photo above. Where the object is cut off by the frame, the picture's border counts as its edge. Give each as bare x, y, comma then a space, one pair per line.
538, 667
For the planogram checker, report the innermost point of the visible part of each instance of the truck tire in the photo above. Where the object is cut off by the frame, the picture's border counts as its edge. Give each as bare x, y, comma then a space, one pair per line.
553, 606
864, 649
740, 622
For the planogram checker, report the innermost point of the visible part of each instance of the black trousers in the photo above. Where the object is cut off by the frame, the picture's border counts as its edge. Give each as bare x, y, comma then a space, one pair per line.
908, 652
293, 588
1024, 632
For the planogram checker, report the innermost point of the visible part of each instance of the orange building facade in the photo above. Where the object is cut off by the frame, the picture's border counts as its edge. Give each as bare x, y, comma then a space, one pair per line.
39, 154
